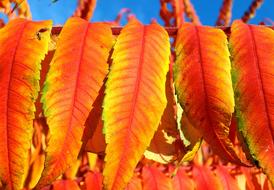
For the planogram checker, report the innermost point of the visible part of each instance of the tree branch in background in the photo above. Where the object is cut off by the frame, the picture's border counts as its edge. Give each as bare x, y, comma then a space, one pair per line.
179, 9
2, 23
124, 11
22, 8
191, 13
85, 9
174, 17
225, 13
250, 13
4, 6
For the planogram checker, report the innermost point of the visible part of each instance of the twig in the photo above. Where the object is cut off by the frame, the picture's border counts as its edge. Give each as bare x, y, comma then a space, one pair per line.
191, 13
172, 31
224, 17
251, 10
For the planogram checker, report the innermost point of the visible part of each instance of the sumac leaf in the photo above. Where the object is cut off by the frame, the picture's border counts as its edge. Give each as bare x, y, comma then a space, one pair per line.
135, 98
253, 71
21, 53
76, 74
204, 86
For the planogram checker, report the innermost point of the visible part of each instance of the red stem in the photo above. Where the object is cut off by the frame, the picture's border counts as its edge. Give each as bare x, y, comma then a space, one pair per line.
172, 31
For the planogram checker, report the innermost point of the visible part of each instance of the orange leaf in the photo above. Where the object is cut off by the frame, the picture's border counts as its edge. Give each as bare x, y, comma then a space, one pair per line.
75, 77
205, 178
65, 185
154, 179
94, 181
135, 98
35, 171
203, 84
228, 182
135, 183
194, 137
20, 55
253, 66
181, 181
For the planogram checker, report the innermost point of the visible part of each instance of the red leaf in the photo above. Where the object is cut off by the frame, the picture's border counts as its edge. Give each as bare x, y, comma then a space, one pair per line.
65, 185
205, 178
253, 70
94, 181
202, 59
154, 179
181, 181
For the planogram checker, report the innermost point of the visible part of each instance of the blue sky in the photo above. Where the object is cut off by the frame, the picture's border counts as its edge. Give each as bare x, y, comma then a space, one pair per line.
144, 10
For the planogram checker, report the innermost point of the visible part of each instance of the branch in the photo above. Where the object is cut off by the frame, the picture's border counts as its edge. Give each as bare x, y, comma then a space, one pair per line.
85, 9
191, 13
224, 17
172, 31
251, 10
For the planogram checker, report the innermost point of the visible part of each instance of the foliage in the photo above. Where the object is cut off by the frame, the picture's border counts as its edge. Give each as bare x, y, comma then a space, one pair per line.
85, 109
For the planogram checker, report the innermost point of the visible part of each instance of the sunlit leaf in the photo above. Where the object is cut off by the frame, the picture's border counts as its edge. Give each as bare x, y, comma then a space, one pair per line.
135, 98
253, 69
75, 77
204, 86
21, 53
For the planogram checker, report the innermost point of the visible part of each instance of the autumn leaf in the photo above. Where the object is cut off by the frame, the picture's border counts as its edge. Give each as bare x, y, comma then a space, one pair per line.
194, 138
135, 98
228, 182
205, 178
135, 183
253, 71
203, 84
21, 53
65, 184
75, 77
154, 179
181, 181
94, 180
35, 171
